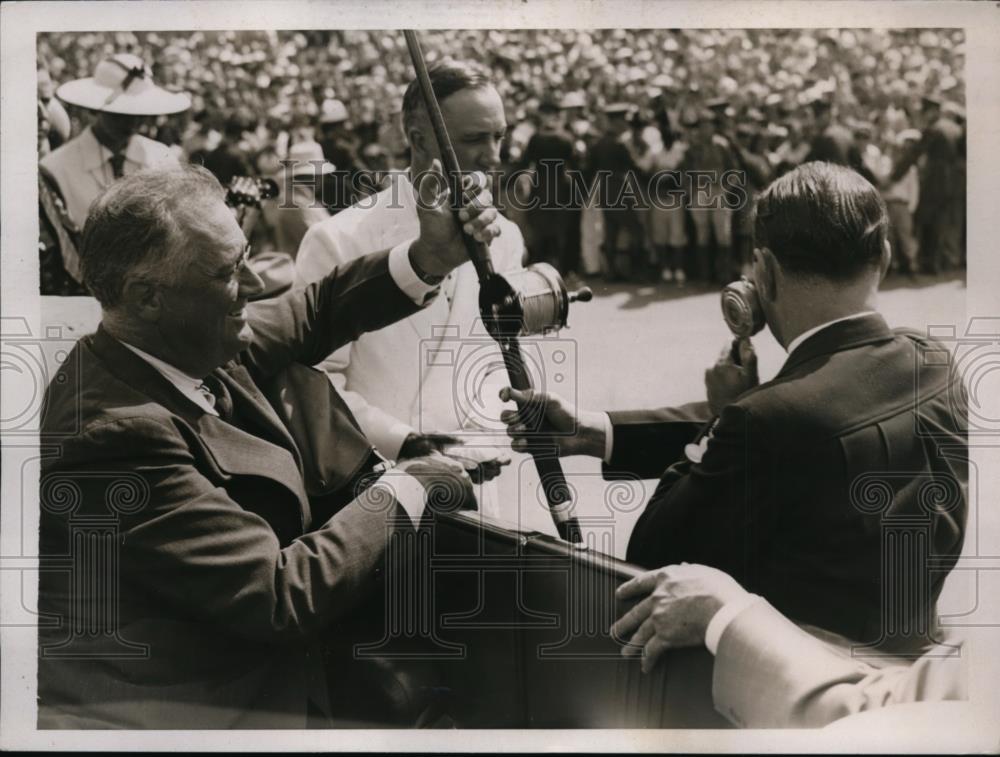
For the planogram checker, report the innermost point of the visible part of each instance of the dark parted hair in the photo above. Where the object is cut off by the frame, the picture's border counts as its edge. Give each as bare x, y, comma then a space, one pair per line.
822, 219
447, 77
141, 226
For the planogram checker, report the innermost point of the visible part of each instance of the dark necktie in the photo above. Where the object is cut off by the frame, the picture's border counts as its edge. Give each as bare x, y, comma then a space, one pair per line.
218, 395
118, 164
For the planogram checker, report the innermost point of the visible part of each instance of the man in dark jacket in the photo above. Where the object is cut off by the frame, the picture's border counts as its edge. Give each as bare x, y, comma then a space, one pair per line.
612, 167
827, 489
549, 154
942, 186
194, 557
834, 142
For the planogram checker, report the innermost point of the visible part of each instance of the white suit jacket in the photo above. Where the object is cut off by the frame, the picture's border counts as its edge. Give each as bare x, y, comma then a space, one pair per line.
82, 168
436, 371
770, 673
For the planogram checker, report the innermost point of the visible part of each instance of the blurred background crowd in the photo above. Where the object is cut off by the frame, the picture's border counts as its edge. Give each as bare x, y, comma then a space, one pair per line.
889, 102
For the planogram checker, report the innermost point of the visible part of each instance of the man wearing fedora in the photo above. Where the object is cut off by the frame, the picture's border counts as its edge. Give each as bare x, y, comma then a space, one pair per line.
610, 164
550, 154
941, 183
834, 142
340, 147
121, 93
299, 204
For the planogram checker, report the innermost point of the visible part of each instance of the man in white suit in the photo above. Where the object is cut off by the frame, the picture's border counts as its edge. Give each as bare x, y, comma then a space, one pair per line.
416, 386
770, 672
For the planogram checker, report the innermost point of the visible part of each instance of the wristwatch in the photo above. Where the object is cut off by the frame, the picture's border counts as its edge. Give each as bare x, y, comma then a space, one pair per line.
428, 278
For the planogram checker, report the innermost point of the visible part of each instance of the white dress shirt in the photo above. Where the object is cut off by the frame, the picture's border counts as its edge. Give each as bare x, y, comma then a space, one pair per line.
185, 384
435, 371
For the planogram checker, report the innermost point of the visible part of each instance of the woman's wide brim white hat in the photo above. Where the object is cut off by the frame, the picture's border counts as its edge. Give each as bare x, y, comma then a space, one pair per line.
140, 96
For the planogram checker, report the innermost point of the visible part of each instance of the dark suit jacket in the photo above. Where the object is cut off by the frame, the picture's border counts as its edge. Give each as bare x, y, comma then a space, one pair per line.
551, 152
609, 163
862, 428
837, 145
942, 178
187, 573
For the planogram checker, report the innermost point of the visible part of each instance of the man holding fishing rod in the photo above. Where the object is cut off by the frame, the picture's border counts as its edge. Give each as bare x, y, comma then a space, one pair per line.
789, 485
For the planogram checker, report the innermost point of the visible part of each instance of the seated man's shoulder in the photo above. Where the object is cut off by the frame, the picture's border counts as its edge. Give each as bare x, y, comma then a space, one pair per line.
837, 391
85, 403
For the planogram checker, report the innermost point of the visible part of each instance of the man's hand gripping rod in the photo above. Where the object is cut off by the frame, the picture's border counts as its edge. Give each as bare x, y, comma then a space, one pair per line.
539, 302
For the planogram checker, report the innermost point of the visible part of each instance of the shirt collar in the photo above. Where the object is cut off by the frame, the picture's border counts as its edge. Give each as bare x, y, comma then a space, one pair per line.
185, 384
96, 154
816, 329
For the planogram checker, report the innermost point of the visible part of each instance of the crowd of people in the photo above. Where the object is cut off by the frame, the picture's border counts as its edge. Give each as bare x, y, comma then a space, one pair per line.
887, 102
285, 433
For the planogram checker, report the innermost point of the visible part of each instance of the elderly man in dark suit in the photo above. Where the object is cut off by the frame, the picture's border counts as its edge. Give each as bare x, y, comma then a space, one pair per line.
206, 553
942, 187
794, 486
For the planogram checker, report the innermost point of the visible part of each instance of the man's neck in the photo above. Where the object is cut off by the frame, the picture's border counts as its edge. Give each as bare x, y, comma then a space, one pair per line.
152, 347
810, 319
115, 145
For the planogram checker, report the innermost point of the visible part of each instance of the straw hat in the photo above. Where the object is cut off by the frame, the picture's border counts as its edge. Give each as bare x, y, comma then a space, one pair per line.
123, 84
333, 112
307, 158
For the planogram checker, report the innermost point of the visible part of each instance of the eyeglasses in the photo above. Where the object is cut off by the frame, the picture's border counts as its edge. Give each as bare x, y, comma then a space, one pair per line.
243, 262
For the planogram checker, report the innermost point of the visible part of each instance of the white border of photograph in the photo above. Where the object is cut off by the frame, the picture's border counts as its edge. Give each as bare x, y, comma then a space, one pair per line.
18, 245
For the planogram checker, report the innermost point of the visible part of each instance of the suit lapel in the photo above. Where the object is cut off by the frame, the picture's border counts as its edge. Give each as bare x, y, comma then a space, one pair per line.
235, 451
140, 375
254, 408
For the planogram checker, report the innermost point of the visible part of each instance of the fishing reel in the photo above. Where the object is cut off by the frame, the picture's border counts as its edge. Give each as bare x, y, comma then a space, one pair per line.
530, 301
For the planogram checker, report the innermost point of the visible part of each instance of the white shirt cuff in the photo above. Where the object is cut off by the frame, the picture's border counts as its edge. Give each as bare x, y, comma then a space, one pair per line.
406, 278
609, 437
726, 615
406, 490
390, 440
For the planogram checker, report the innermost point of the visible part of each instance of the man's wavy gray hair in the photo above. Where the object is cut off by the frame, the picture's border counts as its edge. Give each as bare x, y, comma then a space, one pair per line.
140, 227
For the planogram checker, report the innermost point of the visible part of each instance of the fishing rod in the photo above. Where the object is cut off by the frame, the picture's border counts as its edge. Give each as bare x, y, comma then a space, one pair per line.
521, 303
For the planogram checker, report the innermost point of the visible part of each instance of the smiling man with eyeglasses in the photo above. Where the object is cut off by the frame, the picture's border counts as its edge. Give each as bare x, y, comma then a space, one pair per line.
204, 607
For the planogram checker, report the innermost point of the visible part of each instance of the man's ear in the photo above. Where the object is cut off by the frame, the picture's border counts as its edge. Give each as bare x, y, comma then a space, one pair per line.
143, 299
765, 273
418, 146
885, 261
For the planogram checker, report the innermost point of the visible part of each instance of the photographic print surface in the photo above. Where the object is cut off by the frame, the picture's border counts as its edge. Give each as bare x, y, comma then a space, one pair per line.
684, 437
